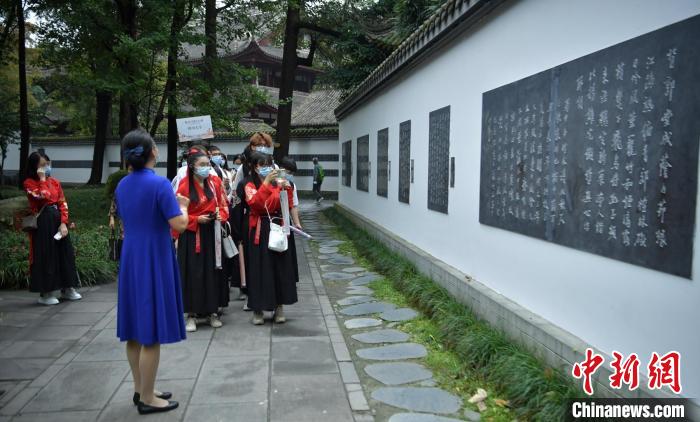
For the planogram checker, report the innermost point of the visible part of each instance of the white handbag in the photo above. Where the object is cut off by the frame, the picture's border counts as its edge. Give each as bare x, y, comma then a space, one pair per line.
227, 243
277, 240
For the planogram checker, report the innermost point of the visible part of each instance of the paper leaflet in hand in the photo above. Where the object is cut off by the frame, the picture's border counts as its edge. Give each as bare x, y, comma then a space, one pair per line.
284, 205
297, 231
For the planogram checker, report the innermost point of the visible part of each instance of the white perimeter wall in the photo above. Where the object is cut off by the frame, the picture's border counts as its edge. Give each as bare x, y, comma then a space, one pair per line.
83, 152
609, 304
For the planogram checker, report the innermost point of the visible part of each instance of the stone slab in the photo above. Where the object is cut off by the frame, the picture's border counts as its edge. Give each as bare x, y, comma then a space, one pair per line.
367, 308
381, 336
400, 314
354, 270
419, 399
309, 398
354, 300
341, 260
335, 276
232, 379
394, 352
236, 412
362, 323
80, 386
364, 280
419, 417
331, 243
397, 373
327, 251
303, 356
361, 290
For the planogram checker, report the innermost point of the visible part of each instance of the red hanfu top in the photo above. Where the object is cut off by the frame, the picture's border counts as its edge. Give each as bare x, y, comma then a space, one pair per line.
47, 192
260, 198
205, 206
44, 193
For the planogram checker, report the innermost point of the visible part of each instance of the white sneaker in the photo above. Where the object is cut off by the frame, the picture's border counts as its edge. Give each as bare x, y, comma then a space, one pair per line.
258, 318
245, 306
214, 321
242, 296
279, 315
47, 300
191, 325
71, 294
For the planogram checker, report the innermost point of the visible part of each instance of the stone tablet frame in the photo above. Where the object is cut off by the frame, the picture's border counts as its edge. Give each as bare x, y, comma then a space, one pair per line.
439, 160
347, 163
383, 163
362, 181
601, 153
405, 162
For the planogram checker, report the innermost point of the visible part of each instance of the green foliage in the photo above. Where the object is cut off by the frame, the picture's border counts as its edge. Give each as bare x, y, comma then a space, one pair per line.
88, 210
370, 31
112, 182
535, 391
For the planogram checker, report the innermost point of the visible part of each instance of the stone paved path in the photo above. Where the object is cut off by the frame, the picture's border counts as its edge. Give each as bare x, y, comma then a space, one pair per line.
388, 365
64, 363
339, 347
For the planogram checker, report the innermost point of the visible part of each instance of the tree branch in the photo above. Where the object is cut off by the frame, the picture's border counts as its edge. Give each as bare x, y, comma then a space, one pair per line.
308, 61
321, 30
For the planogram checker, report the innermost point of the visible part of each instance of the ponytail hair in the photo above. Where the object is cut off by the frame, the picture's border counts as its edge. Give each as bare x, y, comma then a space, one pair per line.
137, 146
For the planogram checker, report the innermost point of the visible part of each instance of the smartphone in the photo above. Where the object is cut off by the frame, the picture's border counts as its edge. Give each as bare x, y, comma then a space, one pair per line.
282, 174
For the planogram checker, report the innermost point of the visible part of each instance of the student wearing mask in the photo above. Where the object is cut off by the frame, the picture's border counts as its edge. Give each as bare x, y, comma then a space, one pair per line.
204, 287
149, 305
51, 254
271, 275
259, 142
182, 171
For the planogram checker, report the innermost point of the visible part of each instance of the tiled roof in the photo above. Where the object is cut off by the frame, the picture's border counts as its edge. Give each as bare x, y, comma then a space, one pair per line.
447, 22
317, 110
273, 96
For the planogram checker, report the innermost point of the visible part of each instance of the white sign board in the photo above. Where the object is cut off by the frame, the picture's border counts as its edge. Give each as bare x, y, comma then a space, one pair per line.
194, 128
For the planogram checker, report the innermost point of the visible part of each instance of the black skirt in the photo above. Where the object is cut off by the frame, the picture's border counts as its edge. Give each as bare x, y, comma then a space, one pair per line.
54, 260
204, 289
271, 276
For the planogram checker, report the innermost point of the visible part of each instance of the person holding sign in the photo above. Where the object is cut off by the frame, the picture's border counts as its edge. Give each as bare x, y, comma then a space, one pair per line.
198, 251
271, 274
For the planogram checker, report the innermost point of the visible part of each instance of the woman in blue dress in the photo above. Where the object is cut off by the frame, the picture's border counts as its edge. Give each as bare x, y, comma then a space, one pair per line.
149, 311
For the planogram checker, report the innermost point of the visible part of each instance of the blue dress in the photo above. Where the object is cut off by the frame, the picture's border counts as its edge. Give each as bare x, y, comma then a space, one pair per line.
149, 307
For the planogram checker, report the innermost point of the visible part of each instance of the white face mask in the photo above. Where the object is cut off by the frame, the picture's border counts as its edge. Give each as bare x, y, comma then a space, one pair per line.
265, 150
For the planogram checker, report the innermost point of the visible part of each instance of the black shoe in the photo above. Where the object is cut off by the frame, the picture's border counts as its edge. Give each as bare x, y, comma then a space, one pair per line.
145, 409
164, 395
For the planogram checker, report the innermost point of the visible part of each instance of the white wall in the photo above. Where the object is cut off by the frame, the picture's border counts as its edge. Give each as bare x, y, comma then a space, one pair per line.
83, 152
316, 147
609, 304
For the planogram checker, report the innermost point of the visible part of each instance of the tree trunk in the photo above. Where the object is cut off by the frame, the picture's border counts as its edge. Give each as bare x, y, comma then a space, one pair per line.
128, 109
289, 64
210, 23
104, 104
23, 107
171, 88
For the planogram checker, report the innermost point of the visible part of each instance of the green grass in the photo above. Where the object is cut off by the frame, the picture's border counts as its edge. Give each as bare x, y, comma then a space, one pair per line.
464, 350
88, 209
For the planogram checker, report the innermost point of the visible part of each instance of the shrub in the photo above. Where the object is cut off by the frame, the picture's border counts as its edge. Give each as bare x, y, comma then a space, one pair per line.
112, 182
88, 209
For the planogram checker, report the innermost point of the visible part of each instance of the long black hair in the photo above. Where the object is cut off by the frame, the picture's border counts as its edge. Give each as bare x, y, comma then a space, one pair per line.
257, 159
192, 158
33, 164
137, 146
